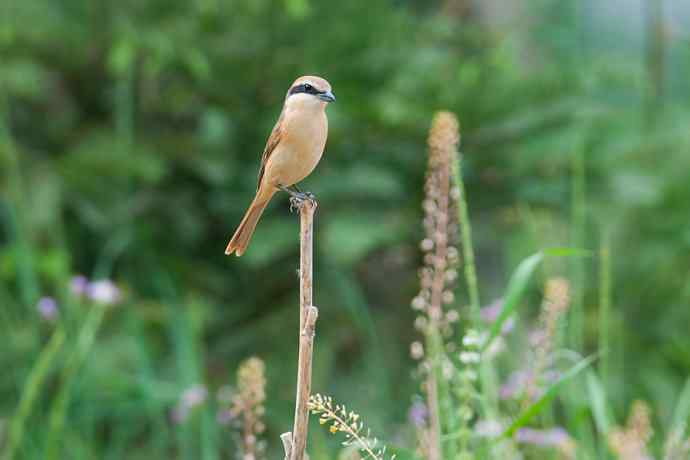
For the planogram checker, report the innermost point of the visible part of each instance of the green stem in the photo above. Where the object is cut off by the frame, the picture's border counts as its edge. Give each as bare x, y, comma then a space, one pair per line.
578, 216
604, 307
28, 284
604, 321
433, 397
655, 57
30, 393
467, 247
85, 340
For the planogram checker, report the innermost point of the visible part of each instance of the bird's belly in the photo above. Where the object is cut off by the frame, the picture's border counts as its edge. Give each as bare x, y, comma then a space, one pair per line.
289, 164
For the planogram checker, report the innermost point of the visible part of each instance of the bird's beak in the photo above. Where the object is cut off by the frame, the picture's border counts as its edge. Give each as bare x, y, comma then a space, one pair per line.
327, 96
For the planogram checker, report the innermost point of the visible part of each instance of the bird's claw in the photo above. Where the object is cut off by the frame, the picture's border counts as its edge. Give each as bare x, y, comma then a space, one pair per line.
298, 198
295, 203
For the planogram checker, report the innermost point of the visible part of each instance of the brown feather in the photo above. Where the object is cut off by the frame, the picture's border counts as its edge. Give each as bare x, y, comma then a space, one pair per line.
240, 240
271, 144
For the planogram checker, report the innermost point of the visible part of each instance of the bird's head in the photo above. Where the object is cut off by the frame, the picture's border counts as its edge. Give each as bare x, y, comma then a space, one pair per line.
309, 91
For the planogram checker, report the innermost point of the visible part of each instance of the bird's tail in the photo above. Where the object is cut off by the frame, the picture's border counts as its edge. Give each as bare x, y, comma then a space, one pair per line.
239, 241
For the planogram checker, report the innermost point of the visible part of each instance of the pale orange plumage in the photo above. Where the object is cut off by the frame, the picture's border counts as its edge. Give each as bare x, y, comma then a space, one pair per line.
292, 151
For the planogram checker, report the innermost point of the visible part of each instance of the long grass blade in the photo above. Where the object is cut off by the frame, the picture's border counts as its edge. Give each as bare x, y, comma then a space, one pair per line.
604, 307
30, 393
546, 398
85, 341
682, 412
597, 401
516, 288
466, 235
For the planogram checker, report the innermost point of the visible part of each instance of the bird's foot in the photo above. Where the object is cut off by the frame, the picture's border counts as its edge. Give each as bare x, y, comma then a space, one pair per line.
297, 199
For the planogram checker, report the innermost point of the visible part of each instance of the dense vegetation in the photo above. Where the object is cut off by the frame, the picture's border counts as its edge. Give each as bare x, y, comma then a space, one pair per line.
130, 135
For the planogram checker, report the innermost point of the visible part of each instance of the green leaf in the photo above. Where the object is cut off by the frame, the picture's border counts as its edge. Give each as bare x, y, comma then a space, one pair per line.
682, 412
519, 281
297, 9
597, 401
30, 392
516, 289
545, 399
121, 56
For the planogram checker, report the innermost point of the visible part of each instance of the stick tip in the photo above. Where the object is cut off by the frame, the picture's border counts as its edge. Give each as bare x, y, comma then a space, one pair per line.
287, 443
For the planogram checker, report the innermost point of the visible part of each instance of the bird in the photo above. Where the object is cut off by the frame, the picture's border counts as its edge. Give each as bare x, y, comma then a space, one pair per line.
292, 151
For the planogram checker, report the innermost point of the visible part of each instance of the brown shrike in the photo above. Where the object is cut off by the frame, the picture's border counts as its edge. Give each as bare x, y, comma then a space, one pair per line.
292, 151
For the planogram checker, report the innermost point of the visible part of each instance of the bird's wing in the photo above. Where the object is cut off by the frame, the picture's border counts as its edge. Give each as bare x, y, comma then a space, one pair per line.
271, 144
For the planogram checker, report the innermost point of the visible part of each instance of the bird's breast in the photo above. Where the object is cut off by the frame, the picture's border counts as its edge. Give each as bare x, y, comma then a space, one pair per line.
300, 148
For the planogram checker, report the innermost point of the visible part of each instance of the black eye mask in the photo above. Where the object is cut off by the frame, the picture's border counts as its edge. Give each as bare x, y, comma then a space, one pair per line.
305, 88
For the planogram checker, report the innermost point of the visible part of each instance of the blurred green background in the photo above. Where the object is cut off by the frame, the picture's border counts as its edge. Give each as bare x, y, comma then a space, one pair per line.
130, 137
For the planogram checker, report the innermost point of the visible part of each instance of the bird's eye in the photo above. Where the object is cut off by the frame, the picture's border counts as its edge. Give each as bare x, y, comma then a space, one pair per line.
308, 88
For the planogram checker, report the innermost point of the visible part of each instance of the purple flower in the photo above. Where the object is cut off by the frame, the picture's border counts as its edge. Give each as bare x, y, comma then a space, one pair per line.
551, 376
490, 313
194, 396
47, 308
179, 414
224, 417
536, 337
78, 285
417, 414
189, 399
551, 437
516, 384
104, 292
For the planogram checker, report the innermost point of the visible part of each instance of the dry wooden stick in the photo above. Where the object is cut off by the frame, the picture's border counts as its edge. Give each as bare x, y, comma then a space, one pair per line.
296, 443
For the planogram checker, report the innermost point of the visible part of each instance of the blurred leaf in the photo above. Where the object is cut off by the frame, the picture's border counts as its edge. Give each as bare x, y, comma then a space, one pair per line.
598, 404
297, 8
30, 391
121, 57
516, 288
23, 78
682, 411
545, 399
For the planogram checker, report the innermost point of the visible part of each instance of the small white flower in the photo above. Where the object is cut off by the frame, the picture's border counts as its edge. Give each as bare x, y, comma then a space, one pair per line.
496, 347
469, 357
488, 428
469, 375
416, 350
418, 303
104, 292
472, 339
420, 323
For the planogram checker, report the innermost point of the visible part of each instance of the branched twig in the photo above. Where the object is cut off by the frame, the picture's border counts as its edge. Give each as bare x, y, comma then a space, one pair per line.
346, 422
